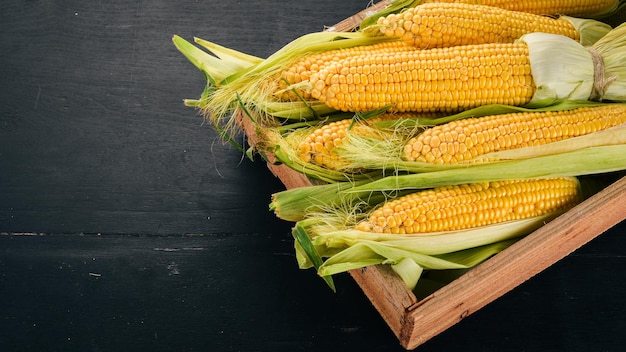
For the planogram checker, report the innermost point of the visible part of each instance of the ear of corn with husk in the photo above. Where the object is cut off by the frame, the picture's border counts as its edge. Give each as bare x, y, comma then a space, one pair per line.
453, 232
471, 141
461, 77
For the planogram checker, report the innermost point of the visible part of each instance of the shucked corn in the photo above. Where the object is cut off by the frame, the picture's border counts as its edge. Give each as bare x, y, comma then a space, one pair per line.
472, 205
441, 79
468, 139
436, 25
303, 68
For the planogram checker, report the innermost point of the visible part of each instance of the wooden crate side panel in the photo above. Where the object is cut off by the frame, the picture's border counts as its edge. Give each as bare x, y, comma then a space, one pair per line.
388, 294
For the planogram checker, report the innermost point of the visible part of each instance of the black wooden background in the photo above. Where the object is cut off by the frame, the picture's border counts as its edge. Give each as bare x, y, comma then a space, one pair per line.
126, 224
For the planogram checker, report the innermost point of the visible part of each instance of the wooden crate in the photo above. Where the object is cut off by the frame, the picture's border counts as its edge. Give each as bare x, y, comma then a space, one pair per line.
414, 321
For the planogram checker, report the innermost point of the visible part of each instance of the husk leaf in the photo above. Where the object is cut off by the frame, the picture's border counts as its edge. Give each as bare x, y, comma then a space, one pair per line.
587, 161
409, 254
235, 78
589, 30
575, 75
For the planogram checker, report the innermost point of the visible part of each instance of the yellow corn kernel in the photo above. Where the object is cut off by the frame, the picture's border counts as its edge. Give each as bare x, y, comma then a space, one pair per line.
302, 69
466, 206
437, 25
466, 139
581, 8
440, 79
319, 146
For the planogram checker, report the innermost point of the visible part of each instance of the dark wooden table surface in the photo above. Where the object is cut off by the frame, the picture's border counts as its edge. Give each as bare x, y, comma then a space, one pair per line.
126, 224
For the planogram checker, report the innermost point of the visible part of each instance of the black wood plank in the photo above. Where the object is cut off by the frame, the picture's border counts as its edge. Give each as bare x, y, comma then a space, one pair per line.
188, 293
244, 293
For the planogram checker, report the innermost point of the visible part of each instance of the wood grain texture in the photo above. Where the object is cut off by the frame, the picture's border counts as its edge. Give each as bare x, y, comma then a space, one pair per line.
94, 139
93, 122
173, 293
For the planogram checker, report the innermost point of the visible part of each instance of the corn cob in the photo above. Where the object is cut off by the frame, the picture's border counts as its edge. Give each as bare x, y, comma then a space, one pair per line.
468, 139
318, 147
436, 25
302, 69
442, 79
465, 206
581, 8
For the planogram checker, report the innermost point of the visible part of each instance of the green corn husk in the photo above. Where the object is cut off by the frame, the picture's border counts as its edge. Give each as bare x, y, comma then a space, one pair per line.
293, 206
284, 149
226, 61
594, 153
548, 104
573, 76
587, 161
282, 141
236, 80
590, 31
